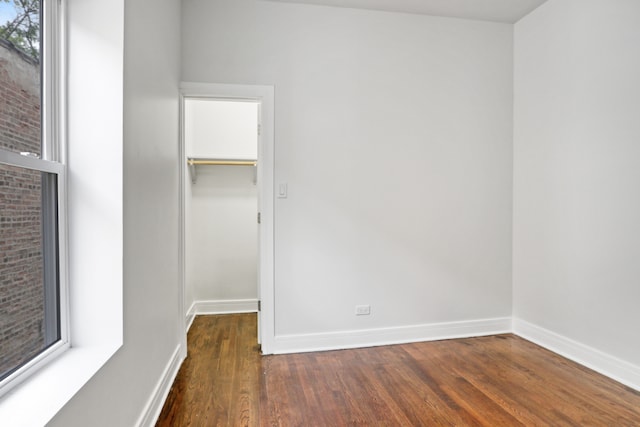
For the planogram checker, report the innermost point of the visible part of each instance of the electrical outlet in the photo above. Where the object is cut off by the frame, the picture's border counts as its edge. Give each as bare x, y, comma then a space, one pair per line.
363, 310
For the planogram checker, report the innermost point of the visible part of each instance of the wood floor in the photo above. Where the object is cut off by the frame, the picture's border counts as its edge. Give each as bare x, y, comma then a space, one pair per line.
489, 381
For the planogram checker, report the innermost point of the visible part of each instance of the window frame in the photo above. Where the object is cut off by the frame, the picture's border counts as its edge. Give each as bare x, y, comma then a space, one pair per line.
52, 161
93, 51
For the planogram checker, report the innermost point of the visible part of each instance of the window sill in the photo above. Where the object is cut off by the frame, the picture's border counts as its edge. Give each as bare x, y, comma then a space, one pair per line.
39, 398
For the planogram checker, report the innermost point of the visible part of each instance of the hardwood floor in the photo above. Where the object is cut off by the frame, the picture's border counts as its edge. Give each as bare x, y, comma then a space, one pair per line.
489, 381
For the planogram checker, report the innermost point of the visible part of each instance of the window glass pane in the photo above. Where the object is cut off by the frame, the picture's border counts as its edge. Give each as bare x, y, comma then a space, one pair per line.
29, 308
20, 76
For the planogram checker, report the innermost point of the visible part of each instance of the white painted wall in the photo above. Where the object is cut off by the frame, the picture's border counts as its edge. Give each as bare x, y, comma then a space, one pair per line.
577, 169
222, 245
221, 129
153, 322
394, 134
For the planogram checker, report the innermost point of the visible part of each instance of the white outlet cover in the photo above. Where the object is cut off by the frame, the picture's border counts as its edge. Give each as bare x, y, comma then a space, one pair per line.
363, 310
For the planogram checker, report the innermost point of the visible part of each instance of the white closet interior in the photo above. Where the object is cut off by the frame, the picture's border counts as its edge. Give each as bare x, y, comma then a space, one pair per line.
221, 231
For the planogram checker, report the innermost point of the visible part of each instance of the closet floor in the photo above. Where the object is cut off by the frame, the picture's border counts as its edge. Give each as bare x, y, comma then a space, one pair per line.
488, 381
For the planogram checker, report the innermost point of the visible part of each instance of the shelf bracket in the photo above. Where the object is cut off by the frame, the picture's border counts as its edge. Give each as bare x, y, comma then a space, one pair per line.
193, 172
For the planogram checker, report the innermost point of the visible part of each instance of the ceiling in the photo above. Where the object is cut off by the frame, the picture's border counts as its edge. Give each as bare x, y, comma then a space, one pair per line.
507, 11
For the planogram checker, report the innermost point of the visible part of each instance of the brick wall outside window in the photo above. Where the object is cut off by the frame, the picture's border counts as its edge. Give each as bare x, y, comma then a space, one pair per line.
21, 258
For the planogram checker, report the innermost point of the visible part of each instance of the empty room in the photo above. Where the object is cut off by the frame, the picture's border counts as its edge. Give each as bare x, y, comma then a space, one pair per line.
416, 212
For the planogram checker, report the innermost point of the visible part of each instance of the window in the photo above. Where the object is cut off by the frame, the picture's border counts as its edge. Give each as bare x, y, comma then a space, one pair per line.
33, 321
93, 51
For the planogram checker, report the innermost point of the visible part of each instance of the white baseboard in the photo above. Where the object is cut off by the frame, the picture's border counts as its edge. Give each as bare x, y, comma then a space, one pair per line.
220, 307
610, 366
155, 403
191, 314
386, 336
224, 306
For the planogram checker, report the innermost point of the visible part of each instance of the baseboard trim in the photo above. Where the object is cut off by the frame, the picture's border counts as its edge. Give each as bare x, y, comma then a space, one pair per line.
386, 336
155, 403
603, 363
224, 306
191, 315
220, 307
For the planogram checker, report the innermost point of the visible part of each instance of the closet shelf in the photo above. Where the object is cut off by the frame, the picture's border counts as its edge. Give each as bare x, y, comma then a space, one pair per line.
196, 161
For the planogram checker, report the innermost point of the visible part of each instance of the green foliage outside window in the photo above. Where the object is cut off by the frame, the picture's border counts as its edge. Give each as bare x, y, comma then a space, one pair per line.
23, 30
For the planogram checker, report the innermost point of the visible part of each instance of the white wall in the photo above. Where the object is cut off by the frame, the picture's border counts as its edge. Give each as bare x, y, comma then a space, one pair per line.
222, 244
394, 134
577, 170
153, 322
221, 129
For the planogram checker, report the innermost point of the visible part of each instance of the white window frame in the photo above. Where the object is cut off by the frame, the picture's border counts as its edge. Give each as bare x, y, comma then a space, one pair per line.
93, 52
51, 161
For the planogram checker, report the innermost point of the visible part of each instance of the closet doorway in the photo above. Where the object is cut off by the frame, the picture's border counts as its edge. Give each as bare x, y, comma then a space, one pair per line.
226, 202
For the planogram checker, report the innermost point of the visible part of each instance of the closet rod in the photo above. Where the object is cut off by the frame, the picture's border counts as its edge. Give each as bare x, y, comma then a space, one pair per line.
193, 162
221, 162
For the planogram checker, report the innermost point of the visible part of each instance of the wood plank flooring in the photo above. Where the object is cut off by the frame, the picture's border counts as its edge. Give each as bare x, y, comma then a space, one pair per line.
489, 381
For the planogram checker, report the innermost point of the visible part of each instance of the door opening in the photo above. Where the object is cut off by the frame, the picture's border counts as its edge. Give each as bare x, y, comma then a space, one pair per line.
226, 202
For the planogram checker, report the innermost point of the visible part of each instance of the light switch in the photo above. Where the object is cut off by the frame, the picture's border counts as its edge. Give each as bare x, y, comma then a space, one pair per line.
282, 191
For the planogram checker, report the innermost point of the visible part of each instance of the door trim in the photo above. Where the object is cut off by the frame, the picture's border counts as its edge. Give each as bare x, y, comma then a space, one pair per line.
265, 95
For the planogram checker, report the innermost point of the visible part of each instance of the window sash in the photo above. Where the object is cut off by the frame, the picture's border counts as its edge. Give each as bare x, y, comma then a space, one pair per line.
29, 162
50, 205
53, 161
